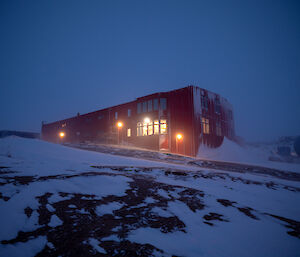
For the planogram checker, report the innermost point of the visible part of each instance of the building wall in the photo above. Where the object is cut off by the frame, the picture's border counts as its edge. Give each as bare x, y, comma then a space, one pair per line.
193, 112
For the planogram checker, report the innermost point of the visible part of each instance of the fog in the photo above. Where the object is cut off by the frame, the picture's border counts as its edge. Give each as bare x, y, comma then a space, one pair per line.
63, 57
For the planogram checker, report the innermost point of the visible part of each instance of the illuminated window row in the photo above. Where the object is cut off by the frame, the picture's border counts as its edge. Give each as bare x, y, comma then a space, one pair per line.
152, 128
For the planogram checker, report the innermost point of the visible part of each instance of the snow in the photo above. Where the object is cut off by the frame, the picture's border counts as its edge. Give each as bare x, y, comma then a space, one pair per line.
49, 158
161, 212
236, 235
50, 208
12, 222
95, 243
27, 249
55, 221
108, 208
230, 151
220, 240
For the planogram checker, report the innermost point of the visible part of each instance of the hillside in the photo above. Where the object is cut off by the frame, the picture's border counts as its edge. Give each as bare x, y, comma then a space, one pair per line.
60, 201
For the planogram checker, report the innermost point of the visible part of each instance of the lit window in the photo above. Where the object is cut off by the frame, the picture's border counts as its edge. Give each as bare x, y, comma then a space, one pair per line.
163, 126
218, 129
144, 106
150, 128
163, 103
116, 115
64, 125
129, 112
156, 127
145, 128
139, 129
129, 132
155, 104
139, 107
205, 126
150, 106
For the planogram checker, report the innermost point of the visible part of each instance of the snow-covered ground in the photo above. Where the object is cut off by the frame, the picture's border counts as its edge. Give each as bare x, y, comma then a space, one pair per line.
247, 154
60, 201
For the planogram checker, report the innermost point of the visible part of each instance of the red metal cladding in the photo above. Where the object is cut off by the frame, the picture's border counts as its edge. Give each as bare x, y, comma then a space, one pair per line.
177, 121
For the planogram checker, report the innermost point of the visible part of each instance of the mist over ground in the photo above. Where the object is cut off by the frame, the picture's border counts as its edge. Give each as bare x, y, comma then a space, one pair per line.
59, 58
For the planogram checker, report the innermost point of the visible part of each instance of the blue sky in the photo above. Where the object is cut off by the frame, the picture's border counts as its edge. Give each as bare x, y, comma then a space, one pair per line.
63, 57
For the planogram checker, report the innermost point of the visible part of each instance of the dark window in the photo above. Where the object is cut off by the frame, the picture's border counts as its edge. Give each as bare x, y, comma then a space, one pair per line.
155, 104
144, 106
139, 107
129, 112
218, 128
163, 103
217, 105
204, 102
116, 115
150, 106
230, 115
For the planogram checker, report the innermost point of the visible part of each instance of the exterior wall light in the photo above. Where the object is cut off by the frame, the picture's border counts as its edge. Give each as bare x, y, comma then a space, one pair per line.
179, 136
62, 134
147, 120
119, 125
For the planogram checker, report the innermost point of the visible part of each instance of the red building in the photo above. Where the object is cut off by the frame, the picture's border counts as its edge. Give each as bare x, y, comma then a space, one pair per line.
177, 121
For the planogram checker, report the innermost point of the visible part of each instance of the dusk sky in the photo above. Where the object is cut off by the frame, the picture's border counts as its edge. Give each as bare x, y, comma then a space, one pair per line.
58, 58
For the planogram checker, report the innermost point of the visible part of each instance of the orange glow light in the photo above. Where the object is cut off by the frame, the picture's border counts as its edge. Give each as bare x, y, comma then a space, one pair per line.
179, 136
62, 134
119, 124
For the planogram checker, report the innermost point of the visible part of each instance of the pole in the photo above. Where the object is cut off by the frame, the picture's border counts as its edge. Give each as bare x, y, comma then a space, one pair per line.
118, 135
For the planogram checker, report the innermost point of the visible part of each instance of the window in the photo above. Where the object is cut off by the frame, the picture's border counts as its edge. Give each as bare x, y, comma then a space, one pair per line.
144, 106
129, 112
145, 129
163, 103
100, 117
64, 125
150, 128
218, 128
156, 127
155, 104
205, 126
150, 106
204, 102
163, 126
116, 115
139, 107
129, 132
217, 106
230, 115
139, 129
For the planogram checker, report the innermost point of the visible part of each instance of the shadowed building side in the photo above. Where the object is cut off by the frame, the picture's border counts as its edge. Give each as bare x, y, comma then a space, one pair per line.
177, 121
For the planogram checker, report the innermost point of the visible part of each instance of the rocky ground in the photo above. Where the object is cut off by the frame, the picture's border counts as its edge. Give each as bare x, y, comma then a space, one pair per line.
198, 209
